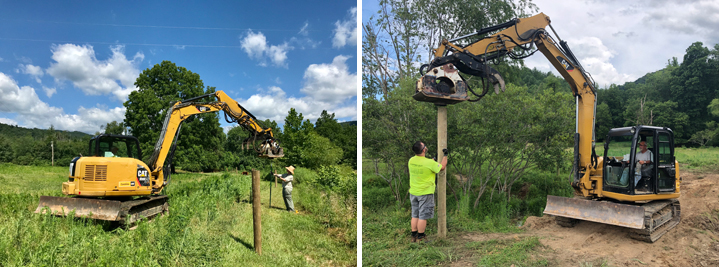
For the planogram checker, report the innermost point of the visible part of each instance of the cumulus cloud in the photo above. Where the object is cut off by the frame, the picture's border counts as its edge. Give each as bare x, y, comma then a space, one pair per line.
274, 104
32, 70
33, 112
595, 56
346, 31
78, 64
331, 83
49, 91
326, 87
8, 121
256, 47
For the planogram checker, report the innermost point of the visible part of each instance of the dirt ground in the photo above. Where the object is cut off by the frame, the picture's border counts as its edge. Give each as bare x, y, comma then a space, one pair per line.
692, 243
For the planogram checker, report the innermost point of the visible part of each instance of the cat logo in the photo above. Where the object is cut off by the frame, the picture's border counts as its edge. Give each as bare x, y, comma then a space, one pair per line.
565, 64
202, 109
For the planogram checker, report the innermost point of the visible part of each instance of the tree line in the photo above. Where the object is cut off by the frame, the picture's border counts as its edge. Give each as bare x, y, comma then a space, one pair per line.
202, 144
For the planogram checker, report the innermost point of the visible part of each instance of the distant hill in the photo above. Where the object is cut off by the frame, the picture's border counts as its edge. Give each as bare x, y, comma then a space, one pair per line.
16, 131
349, 123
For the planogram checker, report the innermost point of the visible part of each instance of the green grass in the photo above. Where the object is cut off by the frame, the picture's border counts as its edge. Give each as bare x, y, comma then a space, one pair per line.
524, 252
699, 159
210, 223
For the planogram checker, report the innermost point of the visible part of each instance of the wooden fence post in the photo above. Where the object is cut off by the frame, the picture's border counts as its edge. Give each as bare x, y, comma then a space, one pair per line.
256, 211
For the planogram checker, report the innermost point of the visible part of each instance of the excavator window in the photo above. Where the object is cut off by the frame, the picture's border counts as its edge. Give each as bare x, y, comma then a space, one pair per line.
114, 146
618, 153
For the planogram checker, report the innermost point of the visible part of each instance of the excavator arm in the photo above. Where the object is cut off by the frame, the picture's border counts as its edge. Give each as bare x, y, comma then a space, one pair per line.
442, 84
260, 138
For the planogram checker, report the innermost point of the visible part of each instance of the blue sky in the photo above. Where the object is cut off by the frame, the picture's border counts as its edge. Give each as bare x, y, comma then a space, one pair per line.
72, 64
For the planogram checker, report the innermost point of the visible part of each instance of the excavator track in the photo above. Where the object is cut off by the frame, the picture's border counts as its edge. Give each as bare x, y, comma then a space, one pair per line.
659, 218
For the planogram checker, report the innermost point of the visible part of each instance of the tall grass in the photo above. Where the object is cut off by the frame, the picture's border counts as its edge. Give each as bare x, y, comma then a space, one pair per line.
699, 159
210, 223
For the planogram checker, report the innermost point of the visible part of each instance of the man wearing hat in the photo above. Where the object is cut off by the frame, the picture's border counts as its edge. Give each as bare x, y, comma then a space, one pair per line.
287, 187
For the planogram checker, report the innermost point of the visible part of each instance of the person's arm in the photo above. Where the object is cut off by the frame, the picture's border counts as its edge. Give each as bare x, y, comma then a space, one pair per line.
444, 162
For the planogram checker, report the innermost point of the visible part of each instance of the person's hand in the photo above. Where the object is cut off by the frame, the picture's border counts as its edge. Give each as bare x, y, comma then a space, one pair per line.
445, 151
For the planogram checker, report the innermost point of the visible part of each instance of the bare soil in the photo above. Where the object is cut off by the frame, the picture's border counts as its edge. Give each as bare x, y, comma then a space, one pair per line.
694, 242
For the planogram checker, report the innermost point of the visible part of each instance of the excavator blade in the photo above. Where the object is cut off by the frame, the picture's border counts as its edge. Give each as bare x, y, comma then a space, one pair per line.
108, 210
629, 216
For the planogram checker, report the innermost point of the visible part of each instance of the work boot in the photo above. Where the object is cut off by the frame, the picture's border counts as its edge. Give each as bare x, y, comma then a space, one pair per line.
414, 237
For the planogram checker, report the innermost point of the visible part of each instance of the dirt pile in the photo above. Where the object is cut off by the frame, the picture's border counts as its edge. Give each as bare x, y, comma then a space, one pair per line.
692, 243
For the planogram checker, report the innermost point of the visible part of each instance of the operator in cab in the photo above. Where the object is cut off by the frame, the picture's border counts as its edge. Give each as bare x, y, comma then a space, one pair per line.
422, 173
644, 164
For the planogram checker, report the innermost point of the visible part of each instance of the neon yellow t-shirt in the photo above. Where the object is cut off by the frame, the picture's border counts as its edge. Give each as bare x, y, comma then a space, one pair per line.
421, 175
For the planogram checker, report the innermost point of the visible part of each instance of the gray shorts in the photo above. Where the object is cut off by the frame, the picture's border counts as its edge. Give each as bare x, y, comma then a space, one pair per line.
422, 206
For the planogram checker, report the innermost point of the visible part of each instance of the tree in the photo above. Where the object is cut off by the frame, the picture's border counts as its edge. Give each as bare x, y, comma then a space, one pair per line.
294, 134
317, 151
114, 127
693, 83
343, 136
160, 87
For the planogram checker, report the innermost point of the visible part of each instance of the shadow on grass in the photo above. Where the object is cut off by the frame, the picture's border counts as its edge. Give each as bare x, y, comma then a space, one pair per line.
239, 240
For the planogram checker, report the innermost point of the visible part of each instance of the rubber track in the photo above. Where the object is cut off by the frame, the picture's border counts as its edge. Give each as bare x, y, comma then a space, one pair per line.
141, 204
652, 233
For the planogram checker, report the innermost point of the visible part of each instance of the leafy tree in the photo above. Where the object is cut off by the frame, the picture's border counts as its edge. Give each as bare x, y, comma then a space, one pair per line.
693, 83
114, 127
317, 151
345, 137
160, 87
294, 134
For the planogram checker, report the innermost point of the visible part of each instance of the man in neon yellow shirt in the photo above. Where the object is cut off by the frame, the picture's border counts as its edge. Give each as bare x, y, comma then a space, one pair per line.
422, 173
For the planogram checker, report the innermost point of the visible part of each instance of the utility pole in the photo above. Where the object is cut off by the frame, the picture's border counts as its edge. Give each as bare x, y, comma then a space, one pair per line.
52, 149
442, 175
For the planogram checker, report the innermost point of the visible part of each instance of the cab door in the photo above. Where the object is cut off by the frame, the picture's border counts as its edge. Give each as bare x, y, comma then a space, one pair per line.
665, 162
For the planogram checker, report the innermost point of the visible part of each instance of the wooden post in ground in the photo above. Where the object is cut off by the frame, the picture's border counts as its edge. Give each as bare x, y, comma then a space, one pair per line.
256, 211
442, 175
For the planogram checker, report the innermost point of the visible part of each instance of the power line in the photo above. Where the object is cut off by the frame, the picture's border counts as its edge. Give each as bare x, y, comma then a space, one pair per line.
151, 26
119, 43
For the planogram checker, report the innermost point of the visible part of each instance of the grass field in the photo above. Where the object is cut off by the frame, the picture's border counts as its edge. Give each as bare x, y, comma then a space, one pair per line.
210, 223
385, 228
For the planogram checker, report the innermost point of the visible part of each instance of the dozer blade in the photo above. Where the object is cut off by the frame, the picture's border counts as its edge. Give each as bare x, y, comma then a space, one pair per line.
108, 210
629, 216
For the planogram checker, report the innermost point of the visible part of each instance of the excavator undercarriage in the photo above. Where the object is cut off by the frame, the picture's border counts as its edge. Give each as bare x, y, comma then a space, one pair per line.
648, 221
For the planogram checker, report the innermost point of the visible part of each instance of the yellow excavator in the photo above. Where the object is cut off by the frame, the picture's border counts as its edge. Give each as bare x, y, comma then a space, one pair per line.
635, 184
112, 183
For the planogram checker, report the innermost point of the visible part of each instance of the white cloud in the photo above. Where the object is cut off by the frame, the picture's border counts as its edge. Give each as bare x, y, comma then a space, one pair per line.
32, 70
331, 83
256, 47
32, 112
303, 30
49, 91
327, 87
640, 35
8, 121
1, 59
78, 64
595, 56
346, 31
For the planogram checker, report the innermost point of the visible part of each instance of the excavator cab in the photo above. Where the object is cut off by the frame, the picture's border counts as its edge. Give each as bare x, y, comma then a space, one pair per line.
114, 146
623, 172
